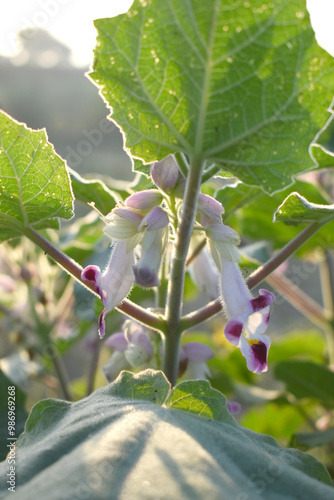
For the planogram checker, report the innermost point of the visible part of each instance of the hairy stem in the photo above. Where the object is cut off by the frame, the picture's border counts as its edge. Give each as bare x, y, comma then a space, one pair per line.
127, 307
255, 278
173, 310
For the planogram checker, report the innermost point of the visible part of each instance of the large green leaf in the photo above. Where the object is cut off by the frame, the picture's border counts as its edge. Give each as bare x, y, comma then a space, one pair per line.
94, 191
34, 183
109, 446
296, 209
241, 84
305, 379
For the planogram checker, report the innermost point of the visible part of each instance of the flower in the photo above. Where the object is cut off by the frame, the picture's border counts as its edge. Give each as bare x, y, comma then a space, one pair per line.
193, 358
115, 282
128, 225
165, 173
154, 242
132, 348
248, 317
209, 210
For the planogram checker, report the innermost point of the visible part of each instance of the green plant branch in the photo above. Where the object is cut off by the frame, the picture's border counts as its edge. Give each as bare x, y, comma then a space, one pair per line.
93, 366
255, 278
182, 163
299, 299
210, 173
62, 376
127, 307
174, 303
196, 251
327, 287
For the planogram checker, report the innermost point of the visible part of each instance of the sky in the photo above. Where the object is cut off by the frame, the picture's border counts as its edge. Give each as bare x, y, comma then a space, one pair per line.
70, 21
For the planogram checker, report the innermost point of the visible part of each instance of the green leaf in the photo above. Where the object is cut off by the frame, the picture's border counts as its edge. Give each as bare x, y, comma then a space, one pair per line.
94, 191
241, 84
199, 398
105, 446
20, 412
295, 209
148, 385
307, 440
34, 183
305, 379
245, 212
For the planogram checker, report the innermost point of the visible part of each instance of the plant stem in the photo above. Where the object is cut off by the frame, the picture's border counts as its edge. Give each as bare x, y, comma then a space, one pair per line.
196, 251
127, 307
327, 286
62, 376
262, 272
182, 163
93, 366
255, 278
173, 310
210, 173
298, 299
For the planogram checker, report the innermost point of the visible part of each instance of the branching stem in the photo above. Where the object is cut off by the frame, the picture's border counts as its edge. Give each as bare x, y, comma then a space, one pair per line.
173, 311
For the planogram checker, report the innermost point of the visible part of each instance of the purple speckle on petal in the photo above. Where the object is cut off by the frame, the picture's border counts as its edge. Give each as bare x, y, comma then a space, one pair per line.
263, 300
259, 350
90, 273
233, 330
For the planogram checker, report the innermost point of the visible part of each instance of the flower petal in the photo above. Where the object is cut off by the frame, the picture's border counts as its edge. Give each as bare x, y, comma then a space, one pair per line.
234, 291
233, 330
156, 219
115, 282
146, 271
256, 353
117, 341
115, 365
204, 273
93, 274
142, 200
165, 173
263, 300
209, 209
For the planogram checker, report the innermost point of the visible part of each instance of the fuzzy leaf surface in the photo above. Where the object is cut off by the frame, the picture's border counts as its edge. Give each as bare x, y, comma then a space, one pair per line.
110, 446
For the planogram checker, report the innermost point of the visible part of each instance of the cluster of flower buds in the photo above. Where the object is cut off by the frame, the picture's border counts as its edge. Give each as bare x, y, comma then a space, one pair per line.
143, 221
132, 348
139, 221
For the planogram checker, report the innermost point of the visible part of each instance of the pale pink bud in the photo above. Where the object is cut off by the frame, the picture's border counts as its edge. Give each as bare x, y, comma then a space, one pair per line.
165, 173
142, 200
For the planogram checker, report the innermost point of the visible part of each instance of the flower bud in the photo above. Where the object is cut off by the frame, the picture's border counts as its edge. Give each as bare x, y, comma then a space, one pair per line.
165, 173
142, 200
